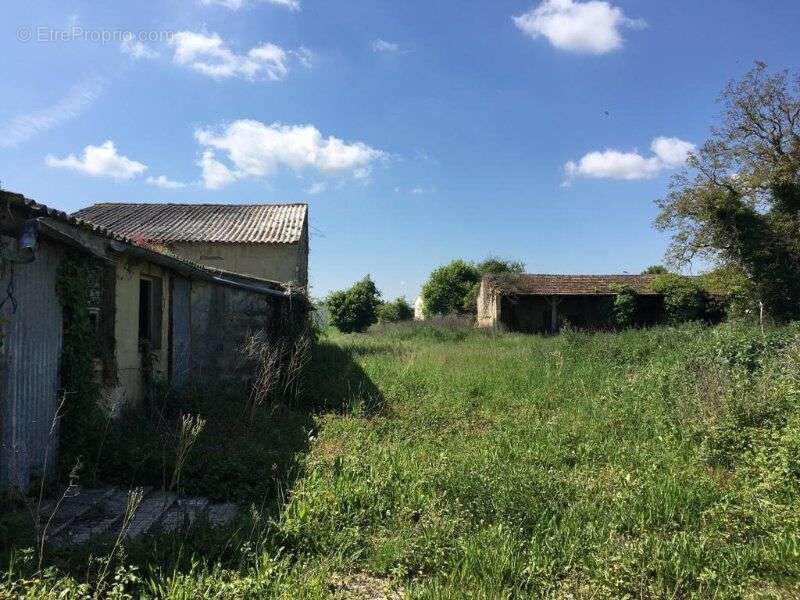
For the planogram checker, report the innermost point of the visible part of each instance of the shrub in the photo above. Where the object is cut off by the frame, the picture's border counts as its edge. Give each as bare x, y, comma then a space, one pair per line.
449, 288
684, 298
394, 312
354, 309
736, 293
624, 308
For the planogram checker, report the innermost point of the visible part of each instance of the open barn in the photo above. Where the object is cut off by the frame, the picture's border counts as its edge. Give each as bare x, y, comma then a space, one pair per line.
546, 303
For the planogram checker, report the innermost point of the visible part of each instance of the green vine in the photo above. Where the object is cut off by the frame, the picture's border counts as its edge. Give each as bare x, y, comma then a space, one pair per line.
82, 417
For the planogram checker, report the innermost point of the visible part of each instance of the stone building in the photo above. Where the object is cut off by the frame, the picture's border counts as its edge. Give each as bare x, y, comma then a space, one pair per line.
152, 316
268, 241
544, 303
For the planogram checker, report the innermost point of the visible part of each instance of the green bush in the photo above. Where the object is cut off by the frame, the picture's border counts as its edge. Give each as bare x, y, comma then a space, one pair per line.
624, 308
684, 298
733, 290
354, 309
394, 312
449, 288
453, 288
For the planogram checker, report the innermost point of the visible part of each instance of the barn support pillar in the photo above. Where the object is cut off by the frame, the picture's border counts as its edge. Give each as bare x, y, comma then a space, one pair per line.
554, 301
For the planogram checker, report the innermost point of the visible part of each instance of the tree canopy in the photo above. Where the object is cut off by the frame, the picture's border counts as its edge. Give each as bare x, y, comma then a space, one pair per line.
448, 287
354, 309
655, 270
738, 200
453, 288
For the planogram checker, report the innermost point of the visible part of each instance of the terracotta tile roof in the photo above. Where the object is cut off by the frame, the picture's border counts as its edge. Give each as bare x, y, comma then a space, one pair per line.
224, 223
569, 285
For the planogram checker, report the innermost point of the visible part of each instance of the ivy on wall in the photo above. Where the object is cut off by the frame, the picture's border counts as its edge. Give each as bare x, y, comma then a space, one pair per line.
83, 420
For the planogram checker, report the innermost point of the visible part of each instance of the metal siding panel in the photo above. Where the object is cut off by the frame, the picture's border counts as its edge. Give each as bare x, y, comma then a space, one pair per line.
181, 330
33, 352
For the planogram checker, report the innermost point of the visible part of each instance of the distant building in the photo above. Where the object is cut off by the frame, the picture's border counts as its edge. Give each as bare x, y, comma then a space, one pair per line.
544, 303
419, 309
269, 241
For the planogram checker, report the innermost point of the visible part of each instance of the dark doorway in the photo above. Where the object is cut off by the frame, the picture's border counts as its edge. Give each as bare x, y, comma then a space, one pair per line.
145, 309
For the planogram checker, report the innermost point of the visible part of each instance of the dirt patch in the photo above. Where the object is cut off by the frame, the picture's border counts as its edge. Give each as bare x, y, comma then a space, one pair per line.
363, 586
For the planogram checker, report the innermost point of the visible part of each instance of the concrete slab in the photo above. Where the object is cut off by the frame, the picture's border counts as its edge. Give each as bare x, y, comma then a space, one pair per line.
150, 513
183, 514
220, 515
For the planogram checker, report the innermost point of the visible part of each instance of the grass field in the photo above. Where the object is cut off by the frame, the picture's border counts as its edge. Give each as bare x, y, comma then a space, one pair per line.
450, 463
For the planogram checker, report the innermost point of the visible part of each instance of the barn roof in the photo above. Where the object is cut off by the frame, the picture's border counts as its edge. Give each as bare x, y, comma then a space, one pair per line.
569, 285
50, 217
222, 223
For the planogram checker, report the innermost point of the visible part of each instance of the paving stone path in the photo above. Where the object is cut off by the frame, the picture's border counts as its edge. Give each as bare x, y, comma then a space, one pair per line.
86, 514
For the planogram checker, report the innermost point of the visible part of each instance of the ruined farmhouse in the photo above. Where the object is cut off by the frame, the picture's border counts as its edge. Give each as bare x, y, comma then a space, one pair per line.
269, 241
150, 315
544, 303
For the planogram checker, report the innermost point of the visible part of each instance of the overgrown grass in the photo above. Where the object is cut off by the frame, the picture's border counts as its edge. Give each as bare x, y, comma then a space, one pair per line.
446, 462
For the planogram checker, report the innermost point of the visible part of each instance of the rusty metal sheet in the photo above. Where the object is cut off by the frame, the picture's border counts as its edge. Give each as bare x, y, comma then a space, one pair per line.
32, 328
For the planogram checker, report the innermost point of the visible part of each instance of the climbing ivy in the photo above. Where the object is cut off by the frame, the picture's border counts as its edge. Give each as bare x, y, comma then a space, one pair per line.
83, 420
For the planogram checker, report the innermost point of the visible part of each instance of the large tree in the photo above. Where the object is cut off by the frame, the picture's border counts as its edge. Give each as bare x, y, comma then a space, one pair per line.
738, 200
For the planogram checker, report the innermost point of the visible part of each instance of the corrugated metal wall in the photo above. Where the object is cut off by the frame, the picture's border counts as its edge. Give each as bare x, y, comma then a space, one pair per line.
32, 352
180, 299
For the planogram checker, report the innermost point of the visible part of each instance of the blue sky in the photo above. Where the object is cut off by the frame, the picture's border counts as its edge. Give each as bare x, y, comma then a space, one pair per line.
418, 131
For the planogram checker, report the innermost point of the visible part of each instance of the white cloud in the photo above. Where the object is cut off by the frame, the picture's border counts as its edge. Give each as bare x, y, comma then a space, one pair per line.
136, 48
99, 161
258, 150
215, 174
592, 26
77, 100
210, 55
672, 152
613, 164
382, 46
317, 188
237, 4
668, 153
164, 182
304, 56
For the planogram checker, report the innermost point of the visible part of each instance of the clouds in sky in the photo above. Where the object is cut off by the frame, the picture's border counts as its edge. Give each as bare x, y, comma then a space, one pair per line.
164, 182
317, 188
210, 55
592, 27
77, 100
383, 47
99, 161
237, 4
136, 48
668, 153
254, 149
